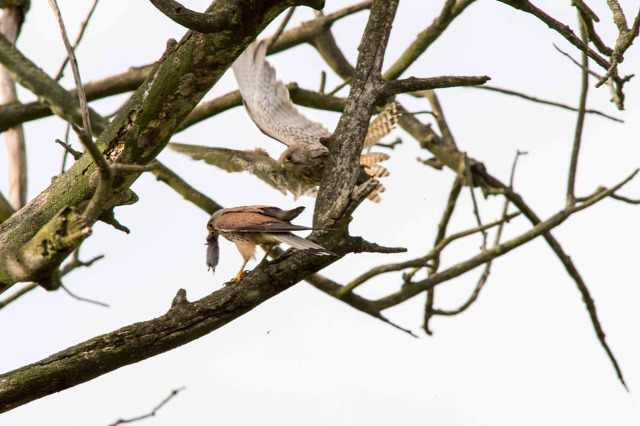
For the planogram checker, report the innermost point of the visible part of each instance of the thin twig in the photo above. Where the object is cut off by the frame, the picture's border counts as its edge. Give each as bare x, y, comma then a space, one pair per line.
435, 264
624, 199
12, 298
83, 299
545, 102
624, 41
103, 190
74, 263
487, 269
153, 412
476, 210
330, 287
582, 106
83, 27
323, 81
76, 72
540, 228
68, 149
282, 26
340, 86
419, 262
571, 269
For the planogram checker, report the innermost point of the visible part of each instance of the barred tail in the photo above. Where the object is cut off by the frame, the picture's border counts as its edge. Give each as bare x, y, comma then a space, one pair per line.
302, 244
376, 170
372, 158
382, 125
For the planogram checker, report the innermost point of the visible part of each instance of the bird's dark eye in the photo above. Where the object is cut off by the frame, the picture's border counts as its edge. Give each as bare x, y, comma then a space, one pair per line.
287, 158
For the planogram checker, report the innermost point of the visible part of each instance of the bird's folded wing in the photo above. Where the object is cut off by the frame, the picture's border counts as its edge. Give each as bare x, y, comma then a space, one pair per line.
272, 227
256, 162
267, 100
252, 219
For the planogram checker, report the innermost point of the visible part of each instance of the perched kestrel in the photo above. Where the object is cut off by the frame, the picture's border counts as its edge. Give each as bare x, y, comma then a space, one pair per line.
299, 169
249, 226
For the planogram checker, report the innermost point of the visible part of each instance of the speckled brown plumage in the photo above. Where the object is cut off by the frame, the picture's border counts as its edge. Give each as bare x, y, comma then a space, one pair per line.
248, 226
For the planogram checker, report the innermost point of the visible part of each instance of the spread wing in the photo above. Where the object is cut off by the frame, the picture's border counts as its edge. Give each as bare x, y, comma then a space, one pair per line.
267, 100
256, 162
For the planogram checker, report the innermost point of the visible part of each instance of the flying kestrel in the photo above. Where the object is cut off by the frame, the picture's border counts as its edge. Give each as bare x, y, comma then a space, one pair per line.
299, 169
249, 226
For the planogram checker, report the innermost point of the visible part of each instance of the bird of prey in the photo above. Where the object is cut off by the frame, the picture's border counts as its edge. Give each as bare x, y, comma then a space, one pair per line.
299, 169
249, 226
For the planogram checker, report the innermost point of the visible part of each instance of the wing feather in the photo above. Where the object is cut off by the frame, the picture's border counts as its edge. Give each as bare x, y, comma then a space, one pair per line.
267, 100
256, 162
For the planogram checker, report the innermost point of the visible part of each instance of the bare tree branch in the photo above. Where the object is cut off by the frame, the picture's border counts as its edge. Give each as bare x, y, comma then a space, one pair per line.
153, 412
541, 228
10, 25
485, 274
545, 102
582, 106
413, 84
103, 190
282, 26
222, 20
83, 27
13, 297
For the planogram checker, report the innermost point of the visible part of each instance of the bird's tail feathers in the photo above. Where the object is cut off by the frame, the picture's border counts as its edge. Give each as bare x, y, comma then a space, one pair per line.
382, 125
302, 244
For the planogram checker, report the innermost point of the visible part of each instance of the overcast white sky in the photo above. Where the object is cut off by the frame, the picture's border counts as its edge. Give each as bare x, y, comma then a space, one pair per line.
525, 353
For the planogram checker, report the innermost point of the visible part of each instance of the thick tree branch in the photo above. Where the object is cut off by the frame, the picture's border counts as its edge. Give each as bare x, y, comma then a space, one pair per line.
183, 323
223, 20
339, 178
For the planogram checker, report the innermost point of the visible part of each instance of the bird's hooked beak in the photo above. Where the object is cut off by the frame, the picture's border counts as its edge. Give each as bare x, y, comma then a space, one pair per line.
212, 231
286, 162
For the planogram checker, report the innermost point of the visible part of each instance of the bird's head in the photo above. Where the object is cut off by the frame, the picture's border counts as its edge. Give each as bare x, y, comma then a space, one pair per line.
291, 157
213, 233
